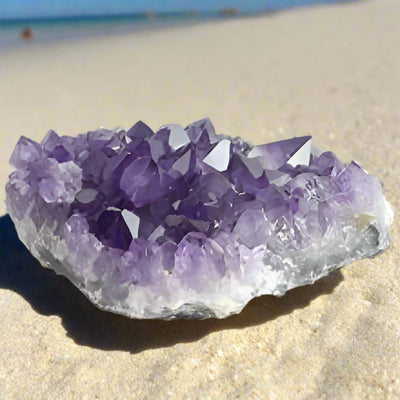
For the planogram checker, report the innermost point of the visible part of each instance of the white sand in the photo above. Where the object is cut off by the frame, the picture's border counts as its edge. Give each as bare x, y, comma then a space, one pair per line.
332, 71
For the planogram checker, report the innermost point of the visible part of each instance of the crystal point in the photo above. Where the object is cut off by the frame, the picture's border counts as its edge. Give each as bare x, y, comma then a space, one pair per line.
132, 221
177, 136
182, 164
292, 151
302, 155
184, 223
218, 157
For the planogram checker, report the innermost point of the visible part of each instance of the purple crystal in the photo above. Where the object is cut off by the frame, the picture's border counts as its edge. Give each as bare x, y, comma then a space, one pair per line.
186, 223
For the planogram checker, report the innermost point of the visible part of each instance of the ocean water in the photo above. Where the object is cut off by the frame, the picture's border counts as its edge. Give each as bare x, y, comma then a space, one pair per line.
64, 28
75, 27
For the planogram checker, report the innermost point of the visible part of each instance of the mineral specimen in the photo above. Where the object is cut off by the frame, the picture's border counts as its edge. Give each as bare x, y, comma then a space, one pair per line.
184, 223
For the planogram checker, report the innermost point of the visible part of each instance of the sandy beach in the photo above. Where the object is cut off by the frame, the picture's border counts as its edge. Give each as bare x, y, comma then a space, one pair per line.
330, 71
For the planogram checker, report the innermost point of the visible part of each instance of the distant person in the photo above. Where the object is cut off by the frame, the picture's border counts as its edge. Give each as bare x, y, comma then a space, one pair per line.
229, 11
27, 33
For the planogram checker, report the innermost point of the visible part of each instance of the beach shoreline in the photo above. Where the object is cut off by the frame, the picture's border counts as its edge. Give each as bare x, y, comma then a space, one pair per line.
51, 31
55, 30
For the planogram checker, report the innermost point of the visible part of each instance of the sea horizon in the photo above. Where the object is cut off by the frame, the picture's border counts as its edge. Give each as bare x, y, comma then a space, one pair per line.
59, 27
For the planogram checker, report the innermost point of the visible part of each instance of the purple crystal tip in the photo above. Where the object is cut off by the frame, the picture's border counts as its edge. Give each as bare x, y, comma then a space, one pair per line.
185, 223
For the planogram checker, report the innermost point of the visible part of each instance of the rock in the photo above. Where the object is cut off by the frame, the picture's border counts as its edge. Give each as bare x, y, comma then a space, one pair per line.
184, 223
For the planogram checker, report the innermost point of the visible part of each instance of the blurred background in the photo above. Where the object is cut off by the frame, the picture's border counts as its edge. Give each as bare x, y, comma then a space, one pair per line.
54, 20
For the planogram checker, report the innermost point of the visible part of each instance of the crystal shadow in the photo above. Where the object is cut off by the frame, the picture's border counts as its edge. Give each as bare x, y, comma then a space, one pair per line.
51, 294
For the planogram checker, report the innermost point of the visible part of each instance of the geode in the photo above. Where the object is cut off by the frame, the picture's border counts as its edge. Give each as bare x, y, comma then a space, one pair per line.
184, 223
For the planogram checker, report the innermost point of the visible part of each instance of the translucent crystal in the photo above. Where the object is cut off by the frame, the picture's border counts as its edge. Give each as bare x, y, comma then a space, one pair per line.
219, 156
184, 223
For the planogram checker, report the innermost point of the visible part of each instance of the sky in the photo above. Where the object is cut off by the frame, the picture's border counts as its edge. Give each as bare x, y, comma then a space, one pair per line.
46, 8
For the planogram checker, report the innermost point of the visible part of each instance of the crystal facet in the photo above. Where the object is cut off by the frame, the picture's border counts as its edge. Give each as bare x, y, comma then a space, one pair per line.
184, 223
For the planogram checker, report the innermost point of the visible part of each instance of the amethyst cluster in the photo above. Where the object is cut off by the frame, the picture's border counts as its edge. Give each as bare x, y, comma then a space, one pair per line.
184, 223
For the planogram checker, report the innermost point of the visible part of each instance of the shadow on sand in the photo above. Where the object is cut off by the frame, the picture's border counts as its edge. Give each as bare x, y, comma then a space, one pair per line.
51, 294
